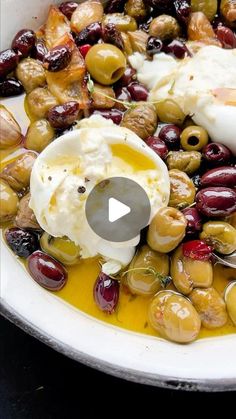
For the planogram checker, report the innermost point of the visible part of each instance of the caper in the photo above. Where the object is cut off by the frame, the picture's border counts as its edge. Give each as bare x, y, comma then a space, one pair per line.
220, 235
165, 27
39, 101
190, 273
187, 161
61, 248
210, 307
170, 112
8, 202
123, 23
230, 299
146, 271
167, 230
174, 317
39, 135
31, 74
193, 138
182, 189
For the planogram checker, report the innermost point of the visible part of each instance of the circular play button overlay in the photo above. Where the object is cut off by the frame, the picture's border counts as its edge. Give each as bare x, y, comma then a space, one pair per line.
117, 209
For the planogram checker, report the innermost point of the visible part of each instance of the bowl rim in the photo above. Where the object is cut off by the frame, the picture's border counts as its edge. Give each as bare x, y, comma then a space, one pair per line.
156, 380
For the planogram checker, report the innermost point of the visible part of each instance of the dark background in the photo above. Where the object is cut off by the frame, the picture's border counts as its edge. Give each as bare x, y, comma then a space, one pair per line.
38, 383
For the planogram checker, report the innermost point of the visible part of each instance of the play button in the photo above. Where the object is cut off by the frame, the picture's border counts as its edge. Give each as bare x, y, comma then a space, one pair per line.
117, 209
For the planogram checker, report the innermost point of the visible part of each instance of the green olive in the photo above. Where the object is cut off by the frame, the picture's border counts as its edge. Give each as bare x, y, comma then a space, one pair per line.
220, 235
193, 138
187, 161
8, 202
167, 230
165, 27
174, 317
142, 119
228, 11
106, 63
210, 307
85, 14
136, 9
61, 248
123, 23
182, 189
170, 112
190, 273
31, 74
17, 174
39, 135
38, 103
230, 299
208, 7
139, 280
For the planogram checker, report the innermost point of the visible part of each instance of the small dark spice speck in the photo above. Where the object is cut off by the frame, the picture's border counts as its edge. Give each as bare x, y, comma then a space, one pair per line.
49, 177
81, 189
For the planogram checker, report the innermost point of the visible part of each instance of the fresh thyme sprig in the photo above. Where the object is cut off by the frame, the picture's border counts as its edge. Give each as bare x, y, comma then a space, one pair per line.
165, 280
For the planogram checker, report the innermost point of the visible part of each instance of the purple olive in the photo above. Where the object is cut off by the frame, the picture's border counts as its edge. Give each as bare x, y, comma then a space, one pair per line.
183, 10
154, 45
106, 293
68, 8
114, 114
128, 77
194, 220
226, 37
57, 58
23, 243
62, 116
221, 176
138, 92
123, 95
46, 271
178, 49
39, 51
89, 35
111, 35
170, 134
216, 154
8, 62
216, 201
158, 146
115, 6
11, 87
23, 42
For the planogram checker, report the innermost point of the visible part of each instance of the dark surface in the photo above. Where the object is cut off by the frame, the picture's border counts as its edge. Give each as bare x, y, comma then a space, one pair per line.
37, 382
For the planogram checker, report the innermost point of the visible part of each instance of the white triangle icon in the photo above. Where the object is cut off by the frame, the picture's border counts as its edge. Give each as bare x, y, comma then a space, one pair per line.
117, 210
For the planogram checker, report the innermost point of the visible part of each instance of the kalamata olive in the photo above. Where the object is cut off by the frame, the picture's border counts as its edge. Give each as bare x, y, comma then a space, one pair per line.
8, 62
128, 77
183, 10
46, 271
194, 220
24, 41
106, 293
114, 114
23, 243
122, 94
158, 146
11, 87
197, 181
216, 201
221, 176
89, 35
216, 154
68, 8
226, 37
111, 35
39, 51
115, 6
62, 116
57, 58
170, 134
177, 48
138, 91
154, 45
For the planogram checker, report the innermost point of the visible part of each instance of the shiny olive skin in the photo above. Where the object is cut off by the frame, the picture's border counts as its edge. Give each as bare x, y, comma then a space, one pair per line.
216, 154
106, 63
182, 189
40, 133
230, 299
137, 280
8, 202
31, 74
123, 23
193, 138
210, 307
86, 13
208, 7
10, 87
187, 161
8, 62
167, 230
220, 235
39, 101
221, 176
166, 316
190, 273
136, 9
170, 112
68, 8
194, 220
228, 11
226, 36
60, 248
39, 51
57, 58
216, 202
62, 116
170, 134
17, 174
23, 42
142, 120
165, 27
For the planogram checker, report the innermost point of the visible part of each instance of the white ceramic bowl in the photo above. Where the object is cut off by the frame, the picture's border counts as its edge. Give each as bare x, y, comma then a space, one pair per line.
207, 365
